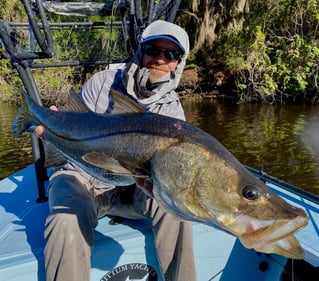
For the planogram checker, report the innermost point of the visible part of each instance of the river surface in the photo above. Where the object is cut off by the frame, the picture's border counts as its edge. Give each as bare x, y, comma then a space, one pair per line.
15, 153
283, 141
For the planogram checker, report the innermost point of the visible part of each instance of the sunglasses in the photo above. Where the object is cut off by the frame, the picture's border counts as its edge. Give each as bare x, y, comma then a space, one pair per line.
152, 51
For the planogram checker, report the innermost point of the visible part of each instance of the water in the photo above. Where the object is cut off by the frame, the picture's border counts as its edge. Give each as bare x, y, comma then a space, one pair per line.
15, 153
281, 140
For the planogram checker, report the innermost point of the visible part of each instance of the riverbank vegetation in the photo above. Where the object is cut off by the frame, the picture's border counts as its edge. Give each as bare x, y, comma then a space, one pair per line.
258, 50
252, 51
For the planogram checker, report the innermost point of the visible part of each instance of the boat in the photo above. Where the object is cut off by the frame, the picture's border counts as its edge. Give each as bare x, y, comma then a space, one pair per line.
125, 251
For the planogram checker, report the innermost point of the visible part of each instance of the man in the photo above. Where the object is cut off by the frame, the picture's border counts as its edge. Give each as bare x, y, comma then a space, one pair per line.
77, 200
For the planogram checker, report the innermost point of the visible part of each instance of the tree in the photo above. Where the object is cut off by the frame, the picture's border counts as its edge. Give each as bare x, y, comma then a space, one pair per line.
205, 20
269, 48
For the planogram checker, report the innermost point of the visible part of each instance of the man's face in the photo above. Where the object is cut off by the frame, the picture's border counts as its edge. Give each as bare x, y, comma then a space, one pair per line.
159, 64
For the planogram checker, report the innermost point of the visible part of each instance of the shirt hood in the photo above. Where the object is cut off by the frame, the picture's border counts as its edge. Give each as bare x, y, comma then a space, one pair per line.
133, 72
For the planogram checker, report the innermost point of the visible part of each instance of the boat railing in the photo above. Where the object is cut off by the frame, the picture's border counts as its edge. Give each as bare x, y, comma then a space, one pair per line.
284, 185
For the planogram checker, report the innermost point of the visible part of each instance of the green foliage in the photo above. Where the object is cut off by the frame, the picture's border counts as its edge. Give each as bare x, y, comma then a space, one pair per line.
12, 10
87, 43
9, 81
95, 40
54, 84
275, 57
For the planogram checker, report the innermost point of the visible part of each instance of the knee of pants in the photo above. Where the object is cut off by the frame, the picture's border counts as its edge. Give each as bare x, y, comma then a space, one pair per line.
70, 228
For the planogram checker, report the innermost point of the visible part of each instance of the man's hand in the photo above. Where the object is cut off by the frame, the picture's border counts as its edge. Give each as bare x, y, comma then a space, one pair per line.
144, 184
39, 130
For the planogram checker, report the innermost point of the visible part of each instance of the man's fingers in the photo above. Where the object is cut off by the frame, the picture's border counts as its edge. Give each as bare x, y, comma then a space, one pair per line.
53, 107
39, 131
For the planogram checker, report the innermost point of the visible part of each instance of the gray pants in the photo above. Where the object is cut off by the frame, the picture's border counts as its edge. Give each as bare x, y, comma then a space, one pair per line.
75, 206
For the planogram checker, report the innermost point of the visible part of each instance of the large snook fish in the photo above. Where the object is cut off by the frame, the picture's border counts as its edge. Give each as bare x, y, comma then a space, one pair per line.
194, 176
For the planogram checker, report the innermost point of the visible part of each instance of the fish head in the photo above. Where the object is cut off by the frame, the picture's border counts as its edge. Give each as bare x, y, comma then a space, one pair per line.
214, 188
261, 219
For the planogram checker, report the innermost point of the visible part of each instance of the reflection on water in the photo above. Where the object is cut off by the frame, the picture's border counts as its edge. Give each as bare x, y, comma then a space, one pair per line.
281, 140
15, 153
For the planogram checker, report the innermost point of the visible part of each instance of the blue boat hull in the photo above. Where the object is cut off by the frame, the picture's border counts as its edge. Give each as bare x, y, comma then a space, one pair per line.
128, 248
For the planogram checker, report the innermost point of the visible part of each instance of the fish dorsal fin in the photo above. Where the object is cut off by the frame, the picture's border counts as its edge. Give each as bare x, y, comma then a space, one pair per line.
74, 103
124, 104
106, 162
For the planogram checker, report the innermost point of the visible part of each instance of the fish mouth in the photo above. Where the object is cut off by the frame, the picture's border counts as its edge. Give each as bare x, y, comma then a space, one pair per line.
269, 236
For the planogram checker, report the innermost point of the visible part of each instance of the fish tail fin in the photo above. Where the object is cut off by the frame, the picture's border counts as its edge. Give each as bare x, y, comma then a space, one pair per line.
23, 120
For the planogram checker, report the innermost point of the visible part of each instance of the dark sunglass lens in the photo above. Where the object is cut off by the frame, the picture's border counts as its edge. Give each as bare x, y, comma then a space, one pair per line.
172, 55
153, 51
169, 55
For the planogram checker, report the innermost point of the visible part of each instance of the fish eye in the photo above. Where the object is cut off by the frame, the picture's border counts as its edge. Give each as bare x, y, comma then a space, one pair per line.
250, 192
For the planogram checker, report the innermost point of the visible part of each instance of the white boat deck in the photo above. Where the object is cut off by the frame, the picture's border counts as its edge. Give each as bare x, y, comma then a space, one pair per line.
118, 248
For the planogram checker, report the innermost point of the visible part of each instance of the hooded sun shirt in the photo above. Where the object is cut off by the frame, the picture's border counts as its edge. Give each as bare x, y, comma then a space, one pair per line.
135, 77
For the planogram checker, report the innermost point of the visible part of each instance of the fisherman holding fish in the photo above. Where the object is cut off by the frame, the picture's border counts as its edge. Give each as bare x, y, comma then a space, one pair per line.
77, 200
193, 176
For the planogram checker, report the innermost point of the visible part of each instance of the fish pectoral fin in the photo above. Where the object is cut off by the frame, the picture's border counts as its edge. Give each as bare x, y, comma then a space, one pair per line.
124, 104
106, 162
52, 156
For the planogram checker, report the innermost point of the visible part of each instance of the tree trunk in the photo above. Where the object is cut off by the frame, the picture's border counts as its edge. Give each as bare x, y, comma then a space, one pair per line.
204, 20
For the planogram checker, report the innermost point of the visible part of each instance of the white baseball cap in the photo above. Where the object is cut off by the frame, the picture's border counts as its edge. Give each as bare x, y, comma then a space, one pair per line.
161, 29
